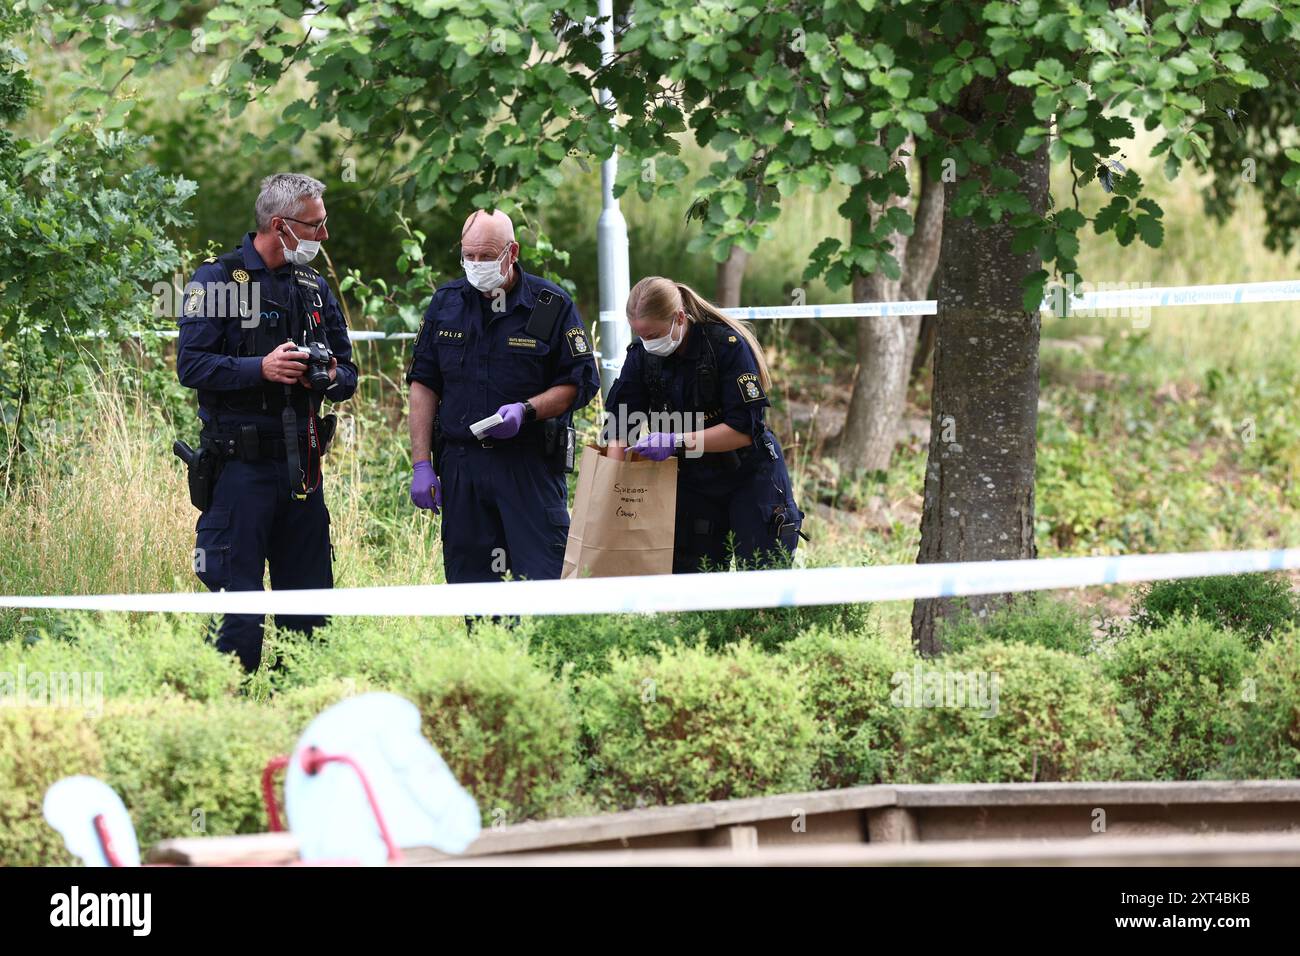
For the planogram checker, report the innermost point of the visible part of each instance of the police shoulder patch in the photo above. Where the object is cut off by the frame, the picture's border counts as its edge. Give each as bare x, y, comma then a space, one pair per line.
750, 389
578, 342
193, 299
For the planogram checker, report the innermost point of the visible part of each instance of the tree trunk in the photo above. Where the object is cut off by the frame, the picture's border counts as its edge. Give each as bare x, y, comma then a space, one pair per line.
730, 279
923, 251
979, 480
885, 343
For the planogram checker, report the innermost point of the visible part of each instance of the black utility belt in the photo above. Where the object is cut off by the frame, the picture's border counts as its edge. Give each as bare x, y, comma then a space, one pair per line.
523, 442
244, 446
249, 443
550, 439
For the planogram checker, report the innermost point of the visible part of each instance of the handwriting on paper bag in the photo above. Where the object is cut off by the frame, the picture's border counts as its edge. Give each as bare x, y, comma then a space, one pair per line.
628, 496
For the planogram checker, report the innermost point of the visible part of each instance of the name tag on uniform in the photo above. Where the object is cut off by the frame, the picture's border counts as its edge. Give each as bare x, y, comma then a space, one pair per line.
521, 342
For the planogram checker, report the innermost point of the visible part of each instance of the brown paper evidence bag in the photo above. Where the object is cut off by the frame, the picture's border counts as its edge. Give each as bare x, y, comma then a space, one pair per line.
624, 516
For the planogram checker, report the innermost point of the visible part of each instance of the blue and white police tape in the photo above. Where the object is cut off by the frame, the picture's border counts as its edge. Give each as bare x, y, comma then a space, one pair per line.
691, 592
1130, 297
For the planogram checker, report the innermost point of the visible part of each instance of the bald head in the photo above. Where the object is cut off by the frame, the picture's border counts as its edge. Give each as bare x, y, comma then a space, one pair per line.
485, 235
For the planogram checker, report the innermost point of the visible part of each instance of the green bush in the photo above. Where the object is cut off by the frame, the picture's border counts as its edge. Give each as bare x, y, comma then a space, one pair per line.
385, 652
1257, 605
849, 680
39, 746
189, 769
1029, 619
1266, 719
157, 655
507, 728
691, 725
766, 628
584, 642
300, 706
1179, 683
1054, 718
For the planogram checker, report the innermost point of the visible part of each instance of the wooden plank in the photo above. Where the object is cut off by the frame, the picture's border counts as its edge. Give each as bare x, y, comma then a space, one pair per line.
892, 825
253, 848
1099, 794
971, 811
1219, 850
739, 839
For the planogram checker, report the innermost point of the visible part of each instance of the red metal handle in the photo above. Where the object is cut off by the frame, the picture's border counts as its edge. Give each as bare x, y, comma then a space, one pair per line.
105, 841
268, 791
313, 760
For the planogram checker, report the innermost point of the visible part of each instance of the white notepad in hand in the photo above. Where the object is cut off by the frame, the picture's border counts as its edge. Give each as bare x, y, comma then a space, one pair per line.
480, 427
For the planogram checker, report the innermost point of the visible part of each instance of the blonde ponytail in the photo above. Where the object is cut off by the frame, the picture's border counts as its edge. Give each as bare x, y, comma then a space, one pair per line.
700, 310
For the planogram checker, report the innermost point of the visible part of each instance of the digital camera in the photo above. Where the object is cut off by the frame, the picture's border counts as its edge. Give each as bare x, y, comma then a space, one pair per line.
318, 364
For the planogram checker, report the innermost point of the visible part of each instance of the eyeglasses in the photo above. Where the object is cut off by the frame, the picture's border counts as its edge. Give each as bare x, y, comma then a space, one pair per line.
317, 226
491, 258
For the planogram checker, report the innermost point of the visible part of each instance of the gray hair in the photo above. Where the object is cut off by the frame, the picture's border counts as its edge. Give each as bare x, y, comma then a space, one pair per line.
282, 194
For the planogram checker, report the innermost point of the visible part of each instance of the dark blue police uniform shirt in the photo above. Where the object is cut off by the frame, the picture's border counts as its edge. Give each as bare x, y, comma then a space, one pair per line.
743, 398
206, 348
477, 360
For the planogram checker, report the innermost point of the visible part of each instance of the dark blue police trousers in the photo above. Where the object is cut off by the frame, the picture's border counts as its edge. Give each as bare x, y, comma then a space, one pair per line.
719, 515
503, 509
253, 522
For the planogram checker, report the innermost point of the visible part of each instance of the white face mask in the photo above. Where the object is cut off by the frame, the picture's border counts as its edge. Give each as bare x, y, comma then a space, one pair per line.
665, 345
304, 253
486, 276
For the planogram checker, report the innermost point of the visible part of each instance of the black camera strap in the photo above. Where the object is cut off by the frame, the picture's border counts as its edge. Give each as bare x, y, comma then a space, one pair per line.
301, 481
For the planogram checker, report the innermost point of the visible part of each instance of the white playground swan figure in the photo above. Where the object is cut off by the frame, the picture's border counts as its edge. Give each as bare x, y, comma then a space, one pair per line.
361, 783
93, 822
419, 801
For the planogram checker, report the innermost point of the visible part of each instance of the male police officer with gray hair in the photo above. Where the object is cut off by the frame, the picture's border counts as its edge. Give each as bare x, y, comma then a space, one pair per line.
263, 341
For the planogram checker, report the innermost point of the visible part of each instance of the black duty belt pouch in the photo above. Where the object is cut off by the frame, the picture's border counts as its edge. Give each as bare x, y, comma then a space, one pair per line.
249, 443
558, 442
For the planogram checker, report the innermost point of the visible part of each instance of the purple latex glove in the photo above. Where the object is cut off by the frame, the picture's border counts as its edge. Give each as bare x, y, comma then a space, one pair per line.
426, 489
657, 446
514, 420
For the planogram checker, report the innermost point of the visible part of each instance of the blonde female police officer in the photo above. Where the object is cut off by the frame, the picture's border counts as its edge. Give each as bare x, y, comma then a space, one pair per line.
707, 373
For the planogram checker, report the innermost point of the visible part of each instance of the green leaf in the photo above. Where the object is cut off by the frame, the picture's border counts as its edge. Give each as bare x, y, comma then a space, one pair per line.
1214, 11
1151, 230
1079, 137
1256, 9
848, 174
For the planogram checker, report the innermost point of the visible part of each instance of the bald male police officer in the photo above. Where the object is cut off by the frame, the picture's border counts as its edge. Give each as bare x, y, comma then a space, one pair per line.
499, 341
247, 318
